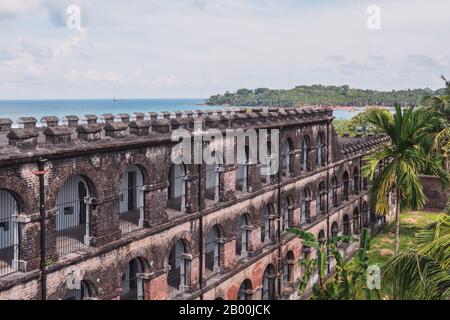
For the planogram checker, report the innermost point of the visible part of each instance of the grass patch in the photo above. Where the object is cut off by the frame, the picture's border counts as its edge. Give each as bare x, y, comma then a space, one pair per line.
410, 223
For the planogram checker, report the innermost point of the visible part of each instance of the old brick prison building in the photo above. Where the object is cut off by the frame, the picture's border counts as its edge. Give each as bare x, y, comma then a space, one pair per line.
123, 222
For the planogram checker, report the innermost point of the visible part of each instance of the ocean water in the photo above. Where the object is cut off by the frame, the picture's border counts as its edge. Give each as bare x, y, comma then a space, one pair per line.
14, 109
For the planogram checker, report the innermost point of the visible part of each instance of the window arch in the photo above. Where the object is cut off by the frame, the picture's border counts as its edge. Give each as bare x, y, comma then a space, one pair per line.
177, 188
214, 250
356, 180
365, 214
287, 159
212, 179
345, 185
132, 282
306, 206
334, 191
320, 149
84, 292
243, 234
242, 173
346, 226
356, 220
288, 267
334, 230
245, 290
131, 200
268, 289
267, 228
305, 153
73, 215
179, 268
266, 168
321, 198
321, 236
9, 233
288, 208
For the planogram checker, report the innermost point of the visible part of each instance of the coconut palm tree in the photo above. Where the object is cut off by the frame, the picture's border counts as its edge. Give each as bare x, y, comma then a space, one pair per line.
411, 136
349, 277
440, 105
423, 272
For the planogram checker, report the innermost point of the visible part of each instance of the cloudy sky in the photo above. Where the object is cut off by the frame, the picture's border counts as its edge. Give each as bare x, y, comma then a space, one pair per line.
195, 48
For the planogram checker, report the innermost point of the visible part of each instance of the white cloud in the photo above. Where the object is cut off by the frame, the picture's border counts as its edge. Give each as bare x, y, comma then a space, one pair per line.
174, 48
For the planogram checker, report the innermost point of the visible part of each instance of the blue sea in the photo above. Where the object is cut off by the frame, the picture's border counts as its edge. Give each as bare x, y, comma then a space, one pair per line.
14, 109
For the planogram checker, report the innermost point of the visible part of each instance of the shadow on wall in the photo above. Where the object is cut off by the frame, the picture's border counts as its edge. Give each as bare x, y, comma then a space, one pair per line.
436, 195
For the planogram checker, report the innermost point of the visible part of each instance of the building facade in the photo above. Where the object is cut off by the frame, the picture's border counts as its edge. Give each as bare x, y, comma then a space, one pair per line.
124, 222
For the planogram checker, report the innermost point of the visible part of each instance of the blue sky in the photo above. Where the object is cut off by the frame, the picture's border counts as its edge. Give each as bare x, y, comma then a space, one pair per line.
195, 48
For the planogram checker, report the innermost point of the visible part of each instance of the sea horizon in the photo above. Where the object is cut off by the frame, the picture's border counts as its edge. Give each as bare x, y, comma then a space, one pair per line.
38, 108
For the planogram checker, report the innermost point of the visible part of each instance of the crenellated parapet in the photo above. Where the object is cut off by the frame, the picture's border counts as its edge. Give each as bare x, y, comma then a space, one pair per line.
363, 145
71, 130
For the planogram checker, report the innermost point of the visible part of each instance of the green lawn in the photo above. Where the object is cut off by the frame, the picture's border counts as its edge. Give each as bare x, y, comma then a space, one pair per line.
382, 245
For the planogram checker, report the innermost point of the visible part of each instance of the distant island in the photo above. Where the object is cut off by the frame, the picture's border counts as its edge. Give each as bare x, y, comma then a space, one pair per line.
320, 95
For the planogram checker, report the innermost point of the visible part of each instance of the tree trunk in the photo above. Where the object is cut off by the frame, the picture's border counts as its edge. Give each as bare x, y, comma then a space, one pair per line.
397, 223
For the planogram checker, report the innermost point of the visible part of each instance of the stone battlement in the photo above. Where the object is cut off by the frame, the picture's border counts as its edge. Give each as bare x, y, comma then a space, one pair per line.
71, 130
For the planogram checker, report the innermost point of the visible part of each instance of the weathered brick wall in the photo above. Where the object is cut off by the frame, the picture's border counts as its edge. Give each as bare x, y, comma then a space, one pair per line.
102, 263
437, 197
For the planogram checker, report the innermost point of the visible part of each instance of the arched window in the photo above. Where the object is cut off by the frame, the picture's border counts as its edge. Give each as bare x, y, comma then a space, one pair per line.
334, 191
364, 183
287, 207
346, 226
268, 290
214, 246
179, 268
132, 283
345, 185
266, 171
356, 220
131, 200
321, 237
242, 174
306, 206
334, 230
288, 268
287, 159
82, 293
177, 188
245, 290
356, 180
212, 180
9, 233
320, 149
267, 230
305, 154
365, 212
242, 236
321, 198
72, 216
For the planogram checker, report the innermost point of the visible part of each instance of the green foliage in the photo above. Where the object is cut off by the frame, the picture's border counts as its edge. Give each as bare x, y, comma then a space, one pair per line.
349, 277
423, 272
319, 95
359, 124
411, 135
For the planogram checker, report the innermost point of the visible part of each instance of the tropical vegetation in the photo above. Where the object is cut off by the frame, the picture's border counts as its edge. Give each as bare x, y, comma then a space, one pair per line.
423, 271
321, 95
395, 167
349, 278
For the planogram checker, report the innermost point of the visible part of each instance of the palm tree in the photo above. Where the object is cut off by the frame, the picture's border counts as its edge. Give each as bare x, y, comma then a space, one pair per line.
349, 277
423, 272
440, 105
410, 133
